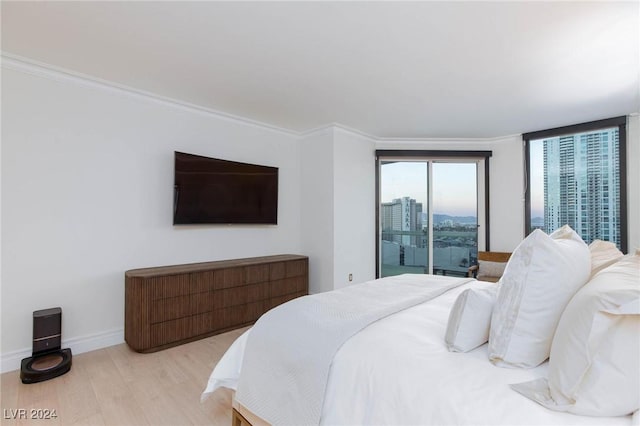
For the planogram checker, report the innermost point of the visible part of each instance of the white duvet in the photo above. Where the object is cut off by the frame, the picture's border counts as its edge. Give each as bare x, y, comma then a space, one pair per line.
288, 358
398, 371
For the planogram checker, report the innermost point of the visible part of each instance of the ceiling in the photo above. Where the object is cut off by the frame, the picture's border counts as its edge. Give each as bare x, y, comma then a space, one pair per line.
388, 69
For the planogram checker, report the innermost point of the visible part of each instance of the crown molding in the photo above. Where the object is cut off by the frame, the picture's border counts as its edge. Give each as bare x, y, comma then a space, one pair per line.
448, 140
336, 127
355, 132
17, 63
417, 141
316, 131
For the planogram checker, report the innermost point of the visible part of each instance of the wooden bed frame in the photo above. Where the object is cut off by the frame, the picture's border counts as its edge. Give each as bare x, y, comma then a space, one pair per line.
238, 420
240, 416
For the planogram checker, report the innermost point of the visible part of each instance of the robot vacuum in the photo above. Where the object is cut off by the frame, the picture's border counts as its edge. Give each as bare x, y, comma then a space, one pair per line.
47, 359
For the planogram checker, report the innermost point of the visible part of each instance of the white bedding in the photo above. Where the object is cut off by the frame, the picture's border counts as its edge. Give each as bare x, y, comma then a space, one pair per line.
288, 358
398, 371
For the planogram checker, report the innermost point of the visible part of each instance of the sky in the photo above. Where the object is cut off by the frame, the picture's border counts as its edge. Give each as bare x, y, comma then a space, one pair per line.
454, 185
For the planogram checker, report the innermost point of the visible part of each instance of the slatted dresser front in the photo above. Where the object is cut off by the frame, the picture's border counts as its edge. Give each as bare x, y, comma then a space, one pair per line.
171, 305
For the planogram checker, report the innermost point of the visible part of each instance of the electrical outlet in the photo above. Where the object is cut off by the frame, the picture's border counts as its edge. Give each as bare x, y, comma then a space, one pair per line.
350, 277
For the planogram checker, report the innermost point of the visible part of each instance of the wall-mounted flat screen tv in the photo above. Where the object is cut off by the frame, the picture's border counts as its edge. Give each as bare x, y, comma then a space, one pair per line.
210, 190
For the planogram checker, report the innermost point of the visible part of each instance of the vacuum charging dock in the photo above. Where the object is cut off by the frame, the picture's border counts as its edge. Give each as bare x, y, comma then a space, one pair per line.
48, 360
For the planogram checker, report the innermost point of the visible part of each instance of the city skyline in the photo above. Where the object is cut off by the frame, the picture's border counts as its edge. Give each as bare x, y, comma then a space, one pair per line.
406, 242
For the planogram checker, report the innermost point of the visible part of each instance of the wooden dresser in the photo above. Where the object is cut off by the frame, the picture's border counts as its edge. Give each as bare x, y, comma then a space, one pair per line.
170, 305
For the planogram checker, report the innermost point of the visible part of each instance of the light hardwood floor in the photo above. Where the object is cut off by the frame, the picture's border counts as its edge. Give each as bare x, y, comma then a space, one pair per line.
116, 386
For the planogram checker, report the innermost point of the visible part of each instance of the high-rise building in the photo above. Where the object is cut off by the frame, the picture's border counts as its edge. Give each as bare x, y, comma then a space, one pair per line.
581, 184
401, 214
391, 220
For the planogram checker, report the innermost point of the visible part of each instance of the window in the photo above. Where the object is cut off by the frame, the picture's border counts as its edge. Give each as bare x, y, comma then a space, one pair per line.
576, 175
432, 211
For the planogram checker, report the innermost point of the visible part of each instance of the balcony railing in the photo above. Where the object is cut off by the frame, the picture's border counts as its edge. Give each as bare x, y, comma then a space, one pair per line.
454, 250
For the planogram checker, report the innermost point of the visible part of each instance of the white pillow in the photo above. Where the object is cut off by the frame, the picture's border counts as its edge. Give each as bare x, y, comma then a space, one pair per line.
603, 254
470, 318
542, 275
594, 367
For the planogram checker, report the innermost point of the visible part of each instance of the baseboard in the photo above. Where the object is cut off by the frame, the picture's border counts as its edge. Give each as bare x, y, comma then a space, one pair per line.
11, 360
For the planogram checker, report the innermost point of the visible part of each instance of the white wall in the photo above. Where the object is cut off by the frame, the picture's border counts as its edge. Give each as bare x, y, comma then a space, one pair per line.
87, 178
354, 208
338, 207
316, 207
506, 171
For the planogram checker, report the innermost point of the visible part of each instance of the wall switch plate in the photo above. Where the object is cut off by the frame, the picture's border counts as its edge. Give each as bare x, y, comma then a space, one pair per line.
350, 277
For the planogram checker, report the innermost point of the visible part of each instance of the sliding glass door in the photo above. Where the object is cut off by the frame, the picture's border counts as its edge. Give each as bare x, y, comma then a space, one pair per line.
404, 233
455, 217
429, 214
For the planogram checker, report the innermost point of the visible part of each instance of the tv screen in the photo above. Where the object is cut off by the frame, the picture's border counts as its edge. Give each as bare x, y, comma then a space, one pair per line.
209, 190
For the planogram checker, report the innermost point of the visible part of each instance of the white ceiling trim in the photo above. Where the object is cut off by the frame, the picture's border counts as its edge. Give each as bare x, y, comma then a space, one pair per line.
448, 140
29, 66
40, 69
339, 126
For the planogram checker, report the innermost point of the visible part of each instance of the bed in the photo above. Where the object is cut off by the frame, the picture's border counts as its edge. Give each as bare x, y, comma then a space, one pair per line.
398, 370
